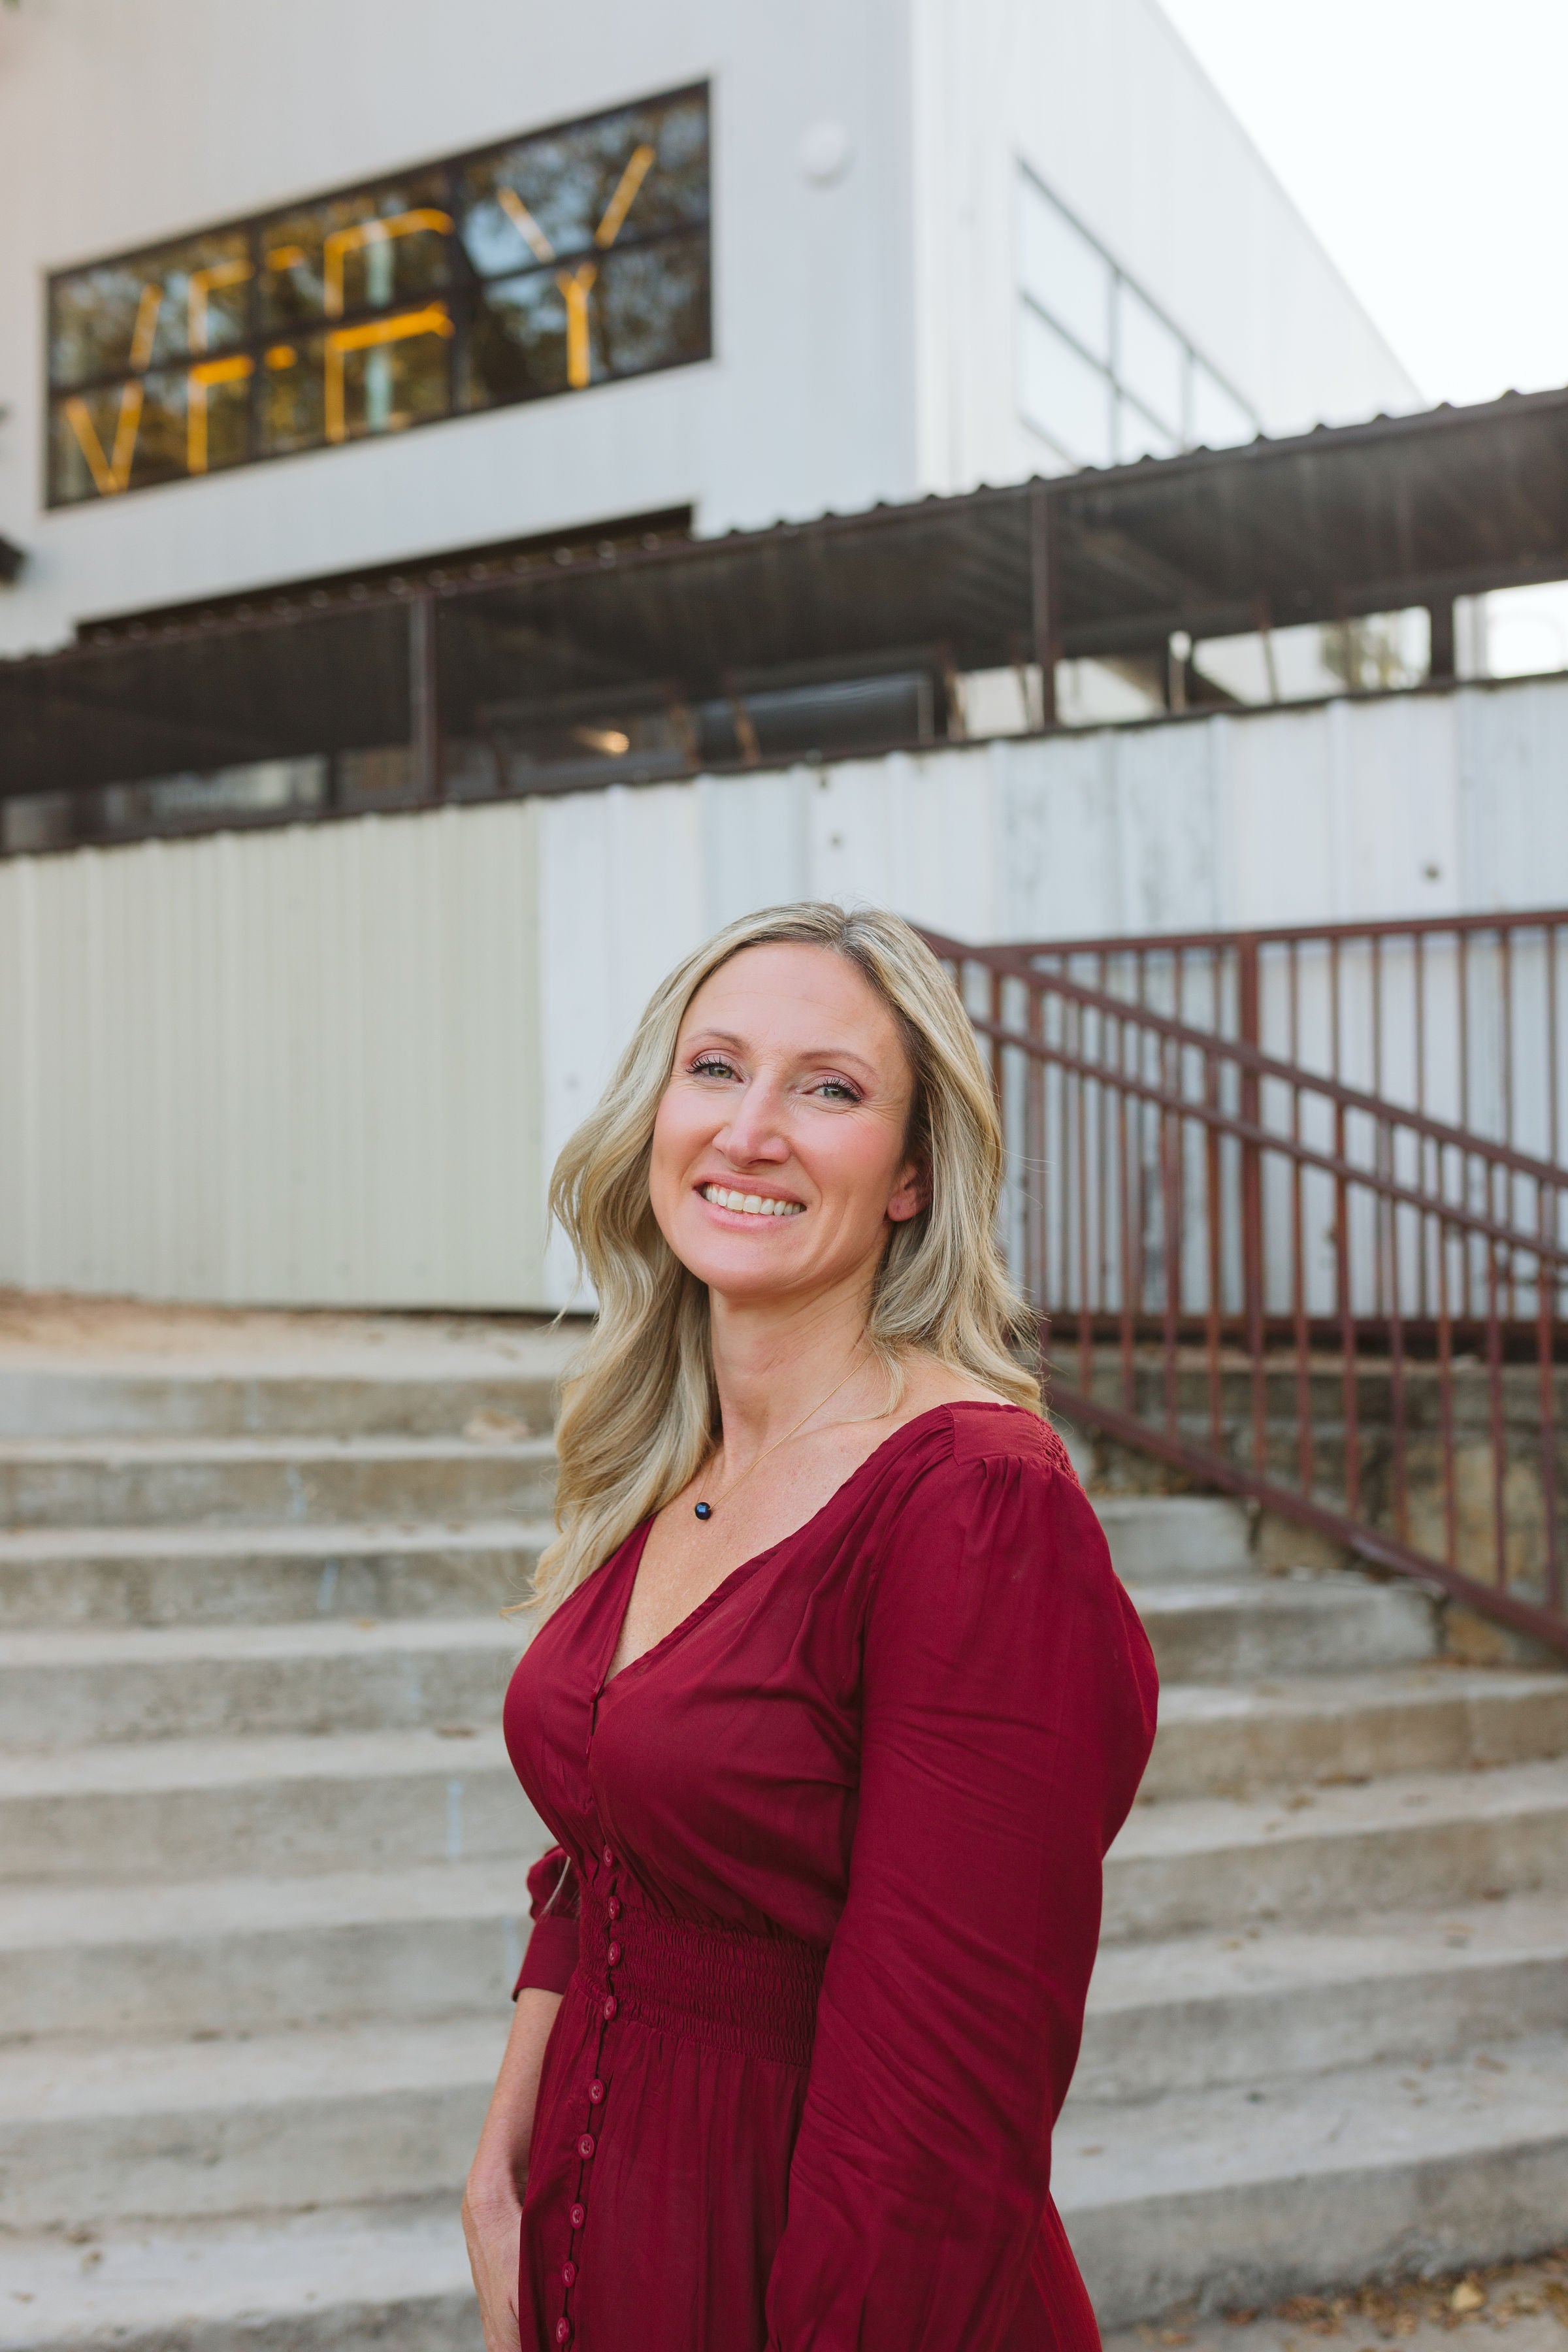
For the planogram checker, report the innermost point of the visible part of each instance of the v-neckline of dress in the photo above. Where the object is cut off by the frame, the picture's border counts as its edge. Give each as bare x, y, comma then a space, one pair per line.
637, 1544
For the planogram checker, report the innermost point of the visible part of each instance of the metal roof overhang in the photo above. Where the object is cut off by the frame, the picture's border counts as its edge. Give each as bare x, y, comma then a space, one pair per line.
1359, 519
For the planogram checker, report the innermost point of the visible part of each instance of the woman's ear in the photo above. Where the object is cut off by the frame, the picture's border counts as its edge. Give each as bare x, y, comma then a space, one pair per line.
912, 1195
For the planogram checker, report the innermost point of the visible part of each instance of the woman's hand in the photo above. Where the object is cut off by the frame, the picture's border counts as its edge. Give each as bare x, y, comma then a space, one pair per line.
492, 2218
492, 2201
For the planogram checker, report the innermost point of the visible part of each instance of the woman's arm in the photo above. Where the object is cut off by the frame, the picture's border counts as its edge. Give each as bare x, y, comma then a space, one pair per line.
498, 2178
1007, 1710
492, 2201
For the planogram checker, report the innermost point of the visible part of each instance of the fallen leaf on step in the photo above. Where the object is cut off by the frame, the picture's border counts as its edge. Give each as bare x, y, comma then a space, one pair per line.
456, 1731
365, 1624
1467, 2297
1494, 2065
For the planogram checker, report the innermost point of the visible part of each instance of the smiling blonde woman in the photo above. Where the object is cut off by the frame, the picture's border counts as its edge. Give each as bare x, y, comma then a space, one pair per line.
835, 1707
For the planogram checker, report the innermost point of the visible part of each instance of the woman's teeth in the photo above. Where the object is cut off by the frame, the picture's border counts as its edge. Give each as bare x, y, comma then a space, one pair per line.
750, 1204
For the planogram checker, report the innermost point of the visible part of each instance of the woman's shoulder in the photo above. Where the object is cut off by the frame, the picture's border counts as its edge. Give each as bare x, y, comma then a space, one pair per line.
990, 1430
976, 1425
972, 1462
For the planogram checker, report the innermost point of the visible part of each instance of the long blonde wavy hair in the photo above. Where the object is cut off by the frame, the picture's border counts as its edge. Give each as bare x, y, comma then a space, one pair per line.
640, 1409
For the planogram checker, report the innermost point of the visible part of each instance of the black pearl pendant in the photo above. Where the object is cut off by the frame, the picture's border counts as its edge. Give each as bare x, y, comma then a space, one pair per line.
703, 1510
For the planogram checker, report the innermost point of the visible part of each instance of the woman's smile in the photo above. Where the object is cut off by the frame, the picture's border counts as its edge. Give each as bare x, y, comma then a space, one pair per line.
748, 1204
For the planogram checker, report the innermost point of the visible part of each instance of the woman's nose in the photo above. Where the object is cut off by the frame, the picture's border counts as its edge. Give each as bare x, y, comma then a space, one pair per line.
754, 1129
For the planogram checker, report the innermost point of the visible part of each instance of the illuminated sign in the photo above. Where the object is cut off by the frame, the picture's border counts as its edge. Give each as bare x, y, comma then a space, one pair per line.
563, 259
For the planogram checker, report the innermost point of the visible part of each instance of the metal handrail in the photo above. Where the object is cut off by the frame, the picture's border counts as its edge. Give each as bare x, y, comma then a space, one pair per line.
1259, 1064
1533, 918
1474, 1005
1202, 1215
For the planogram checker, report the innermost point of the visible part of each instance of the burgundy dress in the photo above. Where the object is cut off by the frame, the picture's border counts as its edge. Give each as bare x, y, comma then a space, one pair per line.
833, 1851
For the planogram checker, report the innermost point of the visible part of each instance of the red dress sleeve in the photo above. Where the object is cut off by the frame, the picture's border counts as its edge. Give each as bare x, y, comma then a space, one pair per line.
553, 1905
1008, 1710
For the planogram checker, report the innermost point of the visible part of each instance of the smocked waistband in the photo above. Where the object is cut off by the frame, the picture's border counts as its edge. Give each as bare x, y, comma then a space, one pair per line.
755, 1996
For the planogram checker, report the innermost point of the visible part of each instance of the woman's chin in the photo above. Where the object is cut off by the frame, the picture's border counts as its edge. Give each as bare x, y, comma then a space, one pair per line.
739, 1265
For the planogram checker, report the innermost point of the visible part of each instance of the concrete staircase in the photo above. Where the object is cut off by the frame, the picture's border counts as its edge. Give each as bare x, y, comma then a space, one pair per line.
261, 1851
261, 1861
1328, 2034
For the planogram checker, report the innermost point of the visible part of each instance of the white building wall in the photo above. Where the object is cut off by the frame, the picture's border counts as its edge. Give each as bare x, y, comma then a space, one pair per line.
333, 1064
1111, 112
864, 326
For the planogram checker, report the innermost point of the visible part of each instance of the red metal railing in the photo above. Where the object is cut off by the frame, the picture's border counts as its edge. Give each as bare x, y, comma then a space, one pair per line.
1462, 1015
1302, 1290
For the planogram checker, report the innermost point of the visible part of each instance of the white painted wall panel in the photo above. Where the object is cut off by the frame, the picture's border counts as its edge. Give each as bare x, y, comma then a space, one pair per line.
296, 1066
335, 1062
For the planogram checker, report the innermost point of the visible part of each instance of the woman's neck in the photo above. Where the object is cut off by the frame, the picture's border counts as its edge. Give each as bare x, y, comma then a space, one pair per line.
774, 1362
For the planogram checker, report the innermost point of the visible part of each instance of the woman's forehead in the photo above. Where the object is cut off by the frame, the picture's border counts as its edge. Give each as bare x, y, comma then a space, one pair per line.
781, 990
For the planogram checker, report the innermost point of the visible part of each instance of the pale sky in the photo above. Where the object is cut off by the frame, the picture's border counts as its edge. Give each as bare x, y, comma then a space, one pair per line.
1426, 144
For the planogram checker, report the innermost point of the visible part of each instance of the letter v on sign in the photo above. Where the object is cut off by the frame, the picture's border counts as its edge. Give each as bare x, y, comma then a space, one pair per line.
112, 473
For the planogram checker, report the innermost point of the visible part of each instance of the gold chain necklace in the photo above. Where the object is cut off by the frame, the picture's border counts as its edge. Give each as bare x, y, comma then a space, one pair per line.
705, 1510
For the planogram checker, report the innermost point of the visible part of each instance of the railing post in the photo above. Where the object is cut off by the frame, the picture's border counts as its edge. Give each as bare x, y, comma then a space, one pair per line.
1249, 1024
1044, 598
423, 698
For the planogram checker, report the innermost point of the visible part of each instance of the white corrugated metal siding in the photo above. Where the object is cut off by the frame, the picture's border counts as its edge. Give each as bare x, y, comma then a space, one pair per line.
299, 1065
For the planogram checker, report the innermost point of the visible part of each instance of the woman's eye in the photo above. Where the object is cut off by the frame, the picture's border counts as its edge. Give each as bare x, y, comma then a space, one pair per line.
837, 1090
711, 1067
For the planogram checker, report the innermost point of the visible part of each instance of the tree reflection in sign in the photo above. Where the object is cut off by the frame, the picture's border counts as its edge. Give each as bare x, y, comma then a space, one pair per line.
547, 265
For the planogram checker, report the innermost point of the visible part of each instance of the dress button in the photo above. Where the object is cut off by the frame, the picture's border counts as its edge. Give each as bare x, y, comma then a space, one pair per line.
596, 2090
563, 2331
568, 2273
609, 2009
585, 2145
613, 1906
577, 2216
609, 1859
612, 1954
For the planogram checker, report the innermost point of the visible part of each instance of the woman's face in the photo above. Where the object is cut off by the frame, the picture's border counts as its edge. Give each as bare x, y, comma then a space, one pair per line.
778, 1150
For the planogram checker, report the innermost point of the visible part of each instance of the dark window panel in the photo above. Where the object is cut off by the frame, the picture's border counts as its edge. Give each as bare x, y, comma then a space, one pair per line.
558, 331
628, 176
127, 316
517, 342
333, 260
652, 307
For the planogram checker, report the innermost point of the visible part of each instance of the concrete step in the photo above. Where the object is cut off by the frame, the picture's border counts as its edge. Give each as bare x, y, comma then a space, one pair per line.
210, 1400
1410, 1841
1243, 2195
146, 1960
392, 2276
1305, 1731
164, 2130
1269, 2003
242, 1576
1157, 1538
254, 1481
1211, 1631
205, 1807
65, 1690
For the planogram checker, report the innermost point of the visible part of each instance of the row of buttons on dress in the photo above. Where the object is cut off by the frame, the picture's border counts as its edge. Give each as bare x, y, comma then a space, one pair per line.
577, 2212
